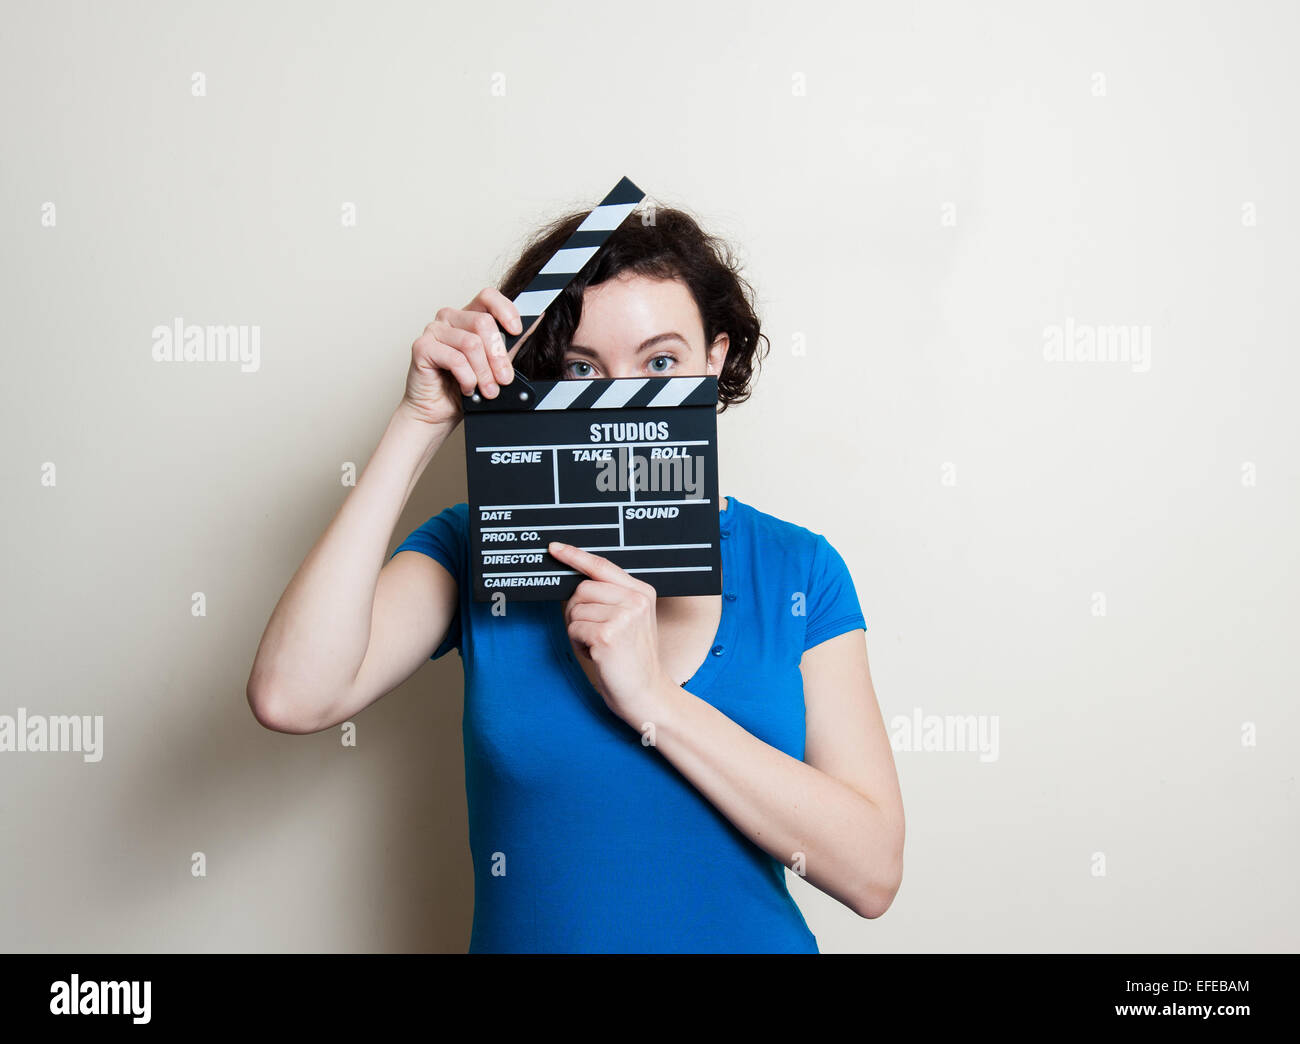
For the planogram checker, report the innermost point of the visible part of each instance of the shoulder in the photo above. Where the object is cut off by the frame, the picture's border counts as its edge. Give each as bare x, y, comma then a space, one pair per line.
792, 550
825, 594
778, 535
454, 517
444, 536
803, 566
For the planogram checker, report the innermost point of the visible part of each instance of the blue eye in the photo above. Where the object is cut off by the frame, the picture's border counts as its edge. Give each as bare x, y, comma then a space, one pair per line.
668, 359
578, 362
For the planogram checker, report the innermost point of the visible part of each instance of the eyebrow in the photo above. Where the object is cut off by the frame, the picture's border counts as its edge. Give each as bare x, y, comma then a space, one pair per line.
646, 344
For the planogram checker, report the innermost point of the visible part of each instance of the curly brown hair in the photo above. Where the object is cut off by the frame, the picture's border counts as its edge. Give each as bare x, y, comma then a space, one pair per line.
671, 245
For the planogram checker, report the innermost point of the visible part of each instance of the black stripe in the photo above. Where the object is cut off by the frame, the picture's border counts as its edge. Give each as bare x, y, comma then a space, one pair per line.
550, 281
587, 237
705, 395
643, 395
590, 395
624, 192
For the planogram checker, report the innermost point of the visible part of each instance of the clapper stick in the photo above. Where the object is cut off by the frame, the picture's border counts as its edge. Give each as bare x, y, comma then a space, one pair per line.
567, 262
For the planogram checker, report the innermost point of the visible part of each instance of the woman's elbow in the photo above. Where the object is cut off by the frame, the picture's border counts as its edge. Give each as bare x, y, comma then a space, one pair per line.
878, 898
878, 893
272, 711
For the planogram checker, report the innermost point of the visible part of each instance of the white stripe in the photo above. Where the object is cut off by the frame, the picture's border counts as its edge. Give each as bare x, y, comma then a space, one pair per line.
515, 549
559, 398
549, 572
672, 569
569, 261
675, 391
648, 569
618, 393
587, 445
591, 504
557, 525
606, 217
534, 302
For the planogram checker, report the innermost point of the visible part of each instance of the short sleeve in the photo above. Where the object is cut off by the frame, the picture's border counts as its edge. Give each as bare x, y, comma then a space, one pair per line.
832, 599
445, 538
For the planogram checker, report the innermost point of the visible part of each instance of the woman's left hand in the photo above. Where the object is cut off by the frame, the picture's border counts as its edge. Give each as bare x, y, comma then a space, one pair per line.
612, 625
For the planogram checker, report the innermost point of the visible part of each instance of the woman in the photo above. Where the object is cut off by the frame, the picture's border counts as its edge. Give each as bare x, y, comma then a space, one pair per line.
639, 770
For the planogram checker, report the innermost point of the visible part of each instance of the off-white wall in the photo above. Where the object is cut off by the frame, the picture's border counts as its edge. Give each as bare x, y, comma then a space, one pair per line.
956, 179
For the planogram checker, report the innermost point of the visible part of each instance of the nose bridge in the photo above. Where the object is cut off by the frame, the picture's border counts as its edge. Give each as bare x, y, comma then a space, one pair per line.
614, 362
620, 363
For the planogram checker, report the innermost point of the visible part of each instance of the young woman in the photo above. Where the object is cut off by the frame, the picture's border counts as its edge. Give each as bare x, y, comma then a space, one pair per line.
639, 770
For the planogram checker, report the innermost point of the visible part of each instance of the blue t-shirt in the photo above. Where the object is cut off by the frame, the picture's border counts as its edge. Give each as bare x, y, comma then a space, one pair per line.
583, 839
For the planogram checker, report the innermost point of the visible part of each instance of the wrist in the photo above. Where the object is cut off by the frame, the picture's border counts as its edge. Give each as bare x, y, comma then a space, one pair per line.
416, 425
666, 702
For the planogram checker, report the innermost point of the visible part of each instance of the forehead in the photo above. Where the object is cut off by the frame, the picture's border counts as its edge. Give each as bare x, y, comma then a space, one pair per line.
638, 305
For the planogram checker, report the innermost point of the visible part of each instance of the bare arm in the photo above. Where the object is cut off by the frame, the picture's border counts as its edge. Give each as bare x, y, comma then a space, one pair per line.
841, 807
315, 667
350, 627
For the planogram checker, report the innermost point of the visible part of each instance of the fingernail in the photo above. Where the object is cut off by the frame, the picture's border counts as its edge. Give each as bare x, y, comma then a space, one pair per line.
553, 545
489, 388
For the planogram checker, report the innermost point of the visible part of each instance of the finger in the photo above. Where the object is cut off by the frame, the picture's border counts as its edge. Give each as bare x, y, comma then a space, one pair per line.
444, 357
586, 634
494, 345
472, 341
600, 591
512, 322
598, 612
493, 301
593, 565
476, 334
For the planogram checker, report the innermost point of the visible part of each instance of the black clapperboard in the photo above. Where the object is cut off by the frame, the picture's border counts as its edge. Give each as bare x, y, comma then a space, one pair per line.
624, 468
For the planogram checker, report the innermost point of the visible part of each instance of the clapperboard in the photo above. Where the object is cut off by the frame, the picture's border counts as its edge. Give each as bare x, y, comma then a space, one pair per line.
625, 468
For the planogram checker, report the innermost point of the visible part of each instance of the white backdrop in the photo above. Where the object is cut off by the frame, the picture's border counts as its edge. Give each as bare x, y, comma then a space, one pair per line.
1095, 558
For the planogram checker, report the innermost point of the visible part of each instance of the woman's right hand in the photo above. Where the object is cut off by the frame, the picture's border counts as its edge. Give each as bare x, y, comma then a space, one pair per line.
460, 350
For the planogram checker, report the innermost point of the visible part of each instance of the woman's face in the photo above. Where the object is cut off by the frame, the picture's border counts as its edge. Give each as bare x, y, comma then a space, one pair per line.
635, 326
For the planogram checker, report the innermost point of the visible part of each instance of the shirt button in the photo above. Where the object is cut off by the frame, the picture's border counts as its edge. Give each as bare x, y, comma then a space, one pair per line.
717, 650
731, 596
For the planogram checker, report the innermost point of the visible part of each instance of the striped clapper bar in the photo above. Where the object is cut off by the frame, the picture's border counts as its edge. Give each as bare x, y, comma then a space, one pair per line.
577, 250
625, 468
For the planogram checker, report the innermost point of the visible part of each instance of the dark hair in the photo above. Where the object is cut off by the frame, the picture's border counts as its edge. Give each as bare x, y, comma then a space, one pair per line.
670, 245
